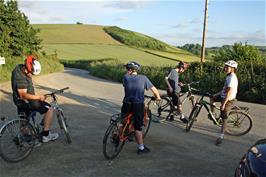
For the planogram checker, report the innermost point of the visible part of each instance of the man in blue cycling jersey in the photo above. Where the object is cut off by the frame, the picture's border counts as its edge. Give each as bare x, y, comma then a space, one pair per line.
134, 86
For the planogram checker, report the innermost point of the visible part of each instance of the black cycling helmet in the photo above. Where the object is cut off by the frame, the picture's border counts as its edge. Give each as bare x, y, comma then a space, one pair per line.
132, 65
253, 164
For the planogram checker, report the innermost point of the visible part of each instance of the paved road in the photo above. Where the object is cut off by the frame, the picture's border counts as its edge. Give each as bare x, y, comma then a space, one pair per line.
88, 106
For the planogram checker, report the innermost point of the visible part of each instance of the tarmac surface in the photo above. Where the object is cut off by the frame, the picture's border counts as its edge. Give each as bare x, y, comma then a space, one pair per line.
88, 105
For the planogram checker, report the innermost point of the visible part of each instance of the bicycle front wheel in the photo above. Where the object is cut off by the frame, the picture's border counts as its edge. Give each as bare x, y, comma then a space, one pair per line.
17, 139
238, 123
188, 106
112, 145
193, 115
162, 110
64, 126
146, 122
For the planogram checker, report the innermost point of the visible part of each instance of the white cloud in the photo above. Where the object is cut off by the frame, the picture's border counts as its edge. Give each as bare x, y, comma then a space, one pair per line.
187, 24
68, 11
214, 38
257, 37
121, 19
126, 4
195, 21
38, 14
180, 25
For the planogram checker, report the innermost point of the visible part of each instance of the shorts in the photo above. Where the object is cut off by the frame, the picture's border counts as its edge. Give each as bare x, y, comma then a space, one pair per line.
34, 105
138, 113
228, 106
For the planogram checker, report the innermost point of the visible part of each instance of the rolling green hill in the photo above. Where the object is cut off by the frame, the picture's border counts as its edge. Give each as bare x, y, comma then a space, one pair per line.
91, 42
74, 34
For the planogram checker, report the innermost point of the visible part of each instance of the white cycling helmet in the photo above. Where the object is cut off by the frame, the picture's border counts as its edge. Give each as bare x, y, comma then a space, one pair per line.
36, 67
231, 63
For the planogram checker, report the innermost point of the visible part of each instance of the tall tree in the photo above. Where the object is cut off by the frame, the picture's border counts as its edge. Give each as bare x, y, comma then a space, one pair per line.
17, 36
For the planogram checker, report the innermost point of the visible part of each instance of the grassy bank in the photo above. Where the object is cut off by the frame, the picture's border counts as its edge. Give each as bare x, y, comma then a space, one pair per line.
49, 64
252, 77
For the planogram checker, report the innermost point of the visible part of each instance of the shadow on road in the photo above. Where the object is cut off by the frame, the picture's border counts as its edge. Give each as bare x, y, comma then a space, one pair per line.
174, 152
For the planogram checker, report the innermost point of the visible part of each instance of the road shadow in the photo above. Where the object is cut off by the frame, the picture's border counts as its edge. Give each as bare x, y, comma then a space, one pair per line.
173, 151
178, 151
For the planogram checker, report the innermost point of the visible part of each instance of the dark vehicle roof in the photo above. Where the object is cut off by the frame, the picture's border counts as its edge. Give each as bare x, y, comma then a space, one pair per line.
257, 161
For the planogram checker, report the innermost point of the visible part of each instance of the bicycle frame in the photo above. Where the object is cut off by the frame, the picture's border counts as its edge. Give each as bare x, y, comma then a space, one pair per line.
55, 105
31, 120
188, 95
207, 105
128, 126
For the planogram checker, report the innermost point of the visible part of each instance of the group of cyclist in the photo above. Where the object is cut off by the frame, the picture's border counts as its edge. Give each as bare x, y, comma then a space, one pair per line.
134, 84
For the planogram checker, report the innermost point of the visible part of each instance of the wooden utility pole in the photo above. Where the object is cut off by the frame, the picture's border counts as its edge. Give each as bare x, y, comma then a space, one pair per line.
202, 59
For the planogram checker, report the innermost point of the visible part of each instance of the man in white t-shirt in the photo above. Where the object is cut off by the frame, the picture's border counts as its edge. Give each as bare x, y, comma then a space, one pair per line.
227, 95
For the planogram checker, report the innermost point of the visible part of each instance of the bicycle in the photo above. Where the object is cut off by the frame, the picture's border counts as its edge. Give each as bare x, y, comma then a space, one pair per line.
121, 130
165, 107
19, 136
239, 122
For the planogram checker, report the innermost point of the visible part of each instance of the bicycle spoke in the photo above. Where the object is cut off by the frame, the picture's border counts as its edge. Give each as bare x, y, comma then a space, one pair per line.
162, 110
147, 123
112, 143
16, 140
238, 123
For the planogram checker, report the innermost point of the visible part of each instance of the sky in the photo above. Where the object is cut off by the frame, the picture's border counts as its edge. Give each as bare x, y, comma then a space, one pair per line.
175, 22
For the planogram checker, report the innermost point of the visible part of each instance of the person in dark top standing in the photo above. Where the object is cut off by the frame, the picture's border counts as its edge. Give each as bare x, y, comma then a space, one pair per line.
174, 88
134, 86
24, 95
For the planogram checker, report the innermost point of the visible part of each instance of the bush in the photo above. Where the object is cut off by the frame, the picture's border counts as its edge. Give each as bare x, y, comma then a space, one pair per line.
251, 75
49, 64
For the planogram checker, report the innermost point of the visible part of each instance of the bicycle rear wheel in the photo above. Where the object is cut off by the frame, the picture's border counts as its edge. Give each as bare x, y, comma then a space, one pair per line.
193, 115
112, 145
162, 110
17, 139
147, 122
64, 126
238, 123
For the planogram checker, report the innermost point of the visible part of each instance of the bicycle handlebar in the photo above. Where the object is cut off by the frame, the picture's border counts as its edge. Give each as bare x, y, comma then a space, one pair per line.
57, 92
151, 97
191, 83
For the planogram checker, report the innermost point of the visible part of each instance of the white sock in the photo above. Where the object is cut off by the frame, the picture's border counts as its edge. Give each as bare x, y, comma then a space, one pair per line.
221, 136
182, 116
141, 146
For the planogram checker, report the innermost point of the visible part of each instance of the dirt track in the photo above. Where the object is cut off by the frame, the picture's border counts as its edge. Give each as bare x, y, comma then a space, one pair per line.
88, 105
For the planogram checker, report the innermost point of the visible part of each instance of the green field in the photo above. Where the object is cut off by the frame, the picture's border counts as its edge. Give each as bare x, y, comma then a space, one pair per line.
101, 51
177, 55
91, 42
74, 34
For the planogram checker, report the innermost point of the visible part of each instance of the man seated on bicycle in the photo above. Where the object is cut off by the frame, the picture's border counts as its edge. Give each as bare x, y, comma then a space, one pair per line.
24, 95
134, 86
174, 88
226, 96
